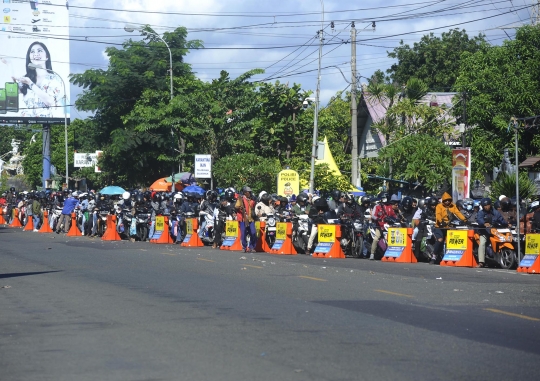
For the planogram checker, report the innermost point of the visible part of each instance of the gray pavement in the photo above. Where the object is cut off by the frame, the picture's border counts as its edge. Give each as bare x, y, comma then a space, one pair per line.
84, 309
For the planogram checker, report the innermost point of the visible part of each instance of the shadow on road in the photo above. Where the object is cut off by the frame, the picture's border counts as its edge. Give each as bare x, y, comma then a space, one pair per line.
16, 275
459, 321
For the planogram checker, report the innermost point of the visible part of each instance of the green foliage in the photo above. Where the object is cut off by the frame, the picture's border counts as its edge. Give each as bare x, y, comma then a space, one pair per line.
257, 172
434, 60
327, 181
420, 158
506, 185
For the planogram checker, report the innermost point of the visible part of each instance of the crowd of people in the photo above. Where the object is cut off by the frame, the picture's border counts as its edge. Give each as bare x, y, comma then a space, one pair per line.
215, 207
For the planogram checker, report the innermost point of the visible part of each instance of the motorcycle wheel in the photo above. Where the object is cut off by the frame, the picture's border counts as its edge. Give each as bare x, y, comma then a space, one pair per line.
507, 258
142, 233
359, 248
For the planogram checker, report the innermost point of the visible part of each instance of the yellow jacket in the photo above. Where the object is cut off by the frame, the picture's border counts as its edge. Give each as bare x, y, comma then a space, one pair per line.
441, 212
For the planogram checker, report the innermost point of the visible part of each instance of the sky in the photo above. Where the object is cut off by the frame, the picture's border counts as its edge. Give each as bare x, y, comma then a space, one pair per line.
281, 36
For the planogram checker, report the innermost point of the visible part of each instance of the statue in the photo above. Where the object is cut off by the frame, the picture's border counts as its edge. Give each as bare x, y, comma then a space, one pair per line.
506, 166
15, 147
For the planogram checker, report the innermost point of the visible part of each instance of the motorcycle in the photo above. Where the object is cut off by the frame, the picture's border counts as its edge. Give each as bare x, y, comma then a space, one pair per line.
425, 241
382, 245
500, 250
300, 236
352, 240
142, 221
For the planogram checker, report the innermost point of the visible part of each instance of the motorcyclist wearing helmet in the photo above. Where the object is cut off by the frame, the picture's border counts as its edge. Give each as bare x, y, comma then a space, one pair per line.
445, 213
406, 211
338, 197
264, 207
207, 209
508, 213
245, 215
381, 211
349, 208
155, 205
487, 217
302, 205
222, 213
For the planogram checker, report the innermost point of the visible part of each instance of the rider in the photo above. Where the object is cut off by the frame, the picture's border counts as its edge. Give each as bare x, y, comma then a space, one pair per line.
487, 217
407, 211
421, 218
207, 209
381, 211
444, 215
264, 207
508, 213
245, 215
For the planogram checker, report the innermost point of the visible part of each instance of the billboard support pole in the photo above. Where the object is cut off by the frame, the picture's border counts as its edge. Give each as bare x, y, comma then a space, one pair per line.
46, 154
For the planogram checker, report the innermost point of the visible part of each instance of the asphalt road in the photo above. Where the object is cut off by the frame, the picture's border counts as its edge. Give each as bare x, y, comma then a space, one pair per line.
84, 309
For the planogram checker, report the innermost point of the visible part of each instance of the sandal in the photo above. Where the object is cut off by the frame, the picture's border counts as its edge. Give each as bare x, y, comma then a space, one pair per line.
480, 265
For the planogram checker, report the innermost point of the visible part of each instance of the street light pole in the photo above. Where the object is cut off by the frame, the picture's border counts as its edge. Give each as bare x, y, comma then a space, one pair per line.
316, 119
35, 67
130, 29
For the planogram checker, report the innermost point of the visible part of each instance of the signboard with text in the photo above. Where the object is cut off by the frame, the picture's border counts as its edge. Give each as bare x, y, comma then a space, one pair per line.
203, 166
397, 240
456, 244
29, 33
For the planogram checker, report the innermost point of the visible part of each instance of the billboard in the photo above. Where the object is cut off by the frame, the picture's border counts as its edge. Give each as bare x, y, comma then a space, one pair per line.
203, 166
37, 33
461, 173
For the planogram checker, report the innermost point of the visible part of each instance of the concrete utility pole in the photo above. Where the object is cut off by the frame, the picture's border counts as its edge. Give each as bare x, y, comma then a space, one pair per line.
355, 177
535, 14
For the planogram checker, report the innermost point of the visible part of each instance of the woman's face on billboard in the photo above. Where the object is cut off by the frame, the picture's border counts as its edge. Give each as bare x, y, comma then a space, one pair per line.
38, 56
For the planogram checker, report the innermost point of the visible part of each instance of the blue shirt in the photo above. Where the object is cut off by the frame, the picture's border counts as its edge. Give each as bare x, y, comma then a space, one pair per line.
483, 217
69, 205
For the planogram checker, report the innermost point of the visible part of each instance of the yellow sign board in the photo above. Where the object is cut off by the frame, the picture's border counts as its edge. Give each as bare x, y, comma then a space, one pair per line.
231, 229
456, 240
258, 228
532, 244
397, 237
160, 223
327, 233
288, 183
281, 230
189, 226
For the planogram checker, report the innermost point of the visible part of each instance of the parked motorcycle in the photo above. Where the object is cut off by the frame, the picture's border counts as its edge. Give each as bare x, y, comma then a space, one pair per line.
352, 240
500, 250
300, 235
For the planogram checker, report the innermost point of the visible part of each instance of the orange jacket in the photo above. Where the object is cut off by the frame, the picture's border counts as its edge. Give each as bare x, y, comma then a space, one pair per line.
441, 212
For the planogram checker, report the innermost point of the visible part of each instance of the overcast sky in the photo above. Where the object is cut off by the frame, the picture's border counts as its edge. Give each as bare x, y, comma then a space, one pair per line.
284, 32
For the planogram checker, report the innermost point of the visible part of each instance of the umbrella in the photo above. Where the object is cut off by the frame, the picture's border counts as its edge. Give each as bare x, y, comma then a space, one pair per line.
358, 192
163, 185
195, 189
182, 177
112, 190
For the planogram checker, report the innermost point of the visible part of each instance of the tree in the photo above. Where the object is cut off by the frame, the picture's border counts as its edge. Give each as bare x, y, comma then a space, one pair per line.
502, 82
506, 185
434, 60
112, 94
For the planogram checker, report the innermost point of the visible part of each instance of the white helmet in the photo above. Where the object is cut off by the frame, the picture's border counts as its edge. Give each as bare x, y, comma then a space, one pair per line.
126, 195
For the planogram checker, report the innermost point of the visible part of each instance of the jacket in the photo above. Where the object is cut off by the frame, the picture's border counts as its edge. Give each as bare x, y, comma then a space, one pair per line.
380, 212
69, 205
243, 207
442, 218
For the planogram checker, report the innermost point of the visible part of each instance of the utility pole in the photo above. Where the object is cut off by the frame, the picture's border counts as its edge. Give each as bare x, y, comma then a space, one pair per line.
463, 142
355, 176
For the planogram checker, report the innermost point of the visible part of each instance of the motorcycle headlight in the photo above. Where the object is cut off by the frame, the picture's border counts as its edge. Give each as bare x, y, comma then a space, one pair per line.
358, 226
271, 221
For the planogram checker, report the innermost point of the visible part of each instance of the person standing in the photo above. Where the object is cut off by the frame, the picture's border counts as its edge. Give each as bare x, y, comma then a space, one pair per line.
65, 218
246, 217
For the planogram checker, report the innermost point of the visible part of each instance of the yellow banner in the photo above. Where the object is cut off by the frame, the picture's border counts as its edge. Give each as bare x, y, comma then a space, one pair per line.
160, 223
231, 229
288, 183
532, 244
189, 226
397, 237
327, 233
281, 230
456, 240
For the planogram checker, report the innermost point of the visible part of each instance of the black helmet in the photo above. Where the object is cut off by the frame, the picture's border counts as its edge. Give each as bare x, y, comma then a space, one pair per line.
302, 197
321, 204
156, 197
406, 203
485, 201
12, 189
432, 201
139, 199
229, 195
336, 195
506, 203
365, 200
459, 204
265, 199
497, 204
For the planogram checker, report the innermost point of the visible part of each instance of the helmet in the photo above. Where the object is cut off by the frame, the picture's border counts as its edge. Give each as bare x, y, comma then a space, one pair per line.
126, 195
421, 203
12, 189
293, 198
535, 205
365, 200
497, 204
349, 198
302, 197
485, 201
506, 203
383, 196
468, 204
139, 199
178, 197
156, 197
265, 199
432, 201
230, 194
245, 188
394, 199
476, 203
406, 202
321, 204
336, 195
459, 204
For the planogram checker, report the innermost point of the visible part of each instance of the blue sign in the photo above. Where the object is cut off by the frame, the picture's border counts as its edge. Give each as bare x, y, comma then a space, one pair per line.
278, 244
157, 234
228, 241
453, 255
528, 260
394, 251
187, 238
7, 10
323, 247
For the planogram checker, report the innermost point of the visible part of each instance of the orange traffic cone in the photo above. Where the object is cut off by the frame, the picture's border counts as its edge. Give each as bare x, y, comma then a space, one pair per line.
2, 219
192, 239
165, 237
45, 228
74, 229
15, 223
29, 224
110, 232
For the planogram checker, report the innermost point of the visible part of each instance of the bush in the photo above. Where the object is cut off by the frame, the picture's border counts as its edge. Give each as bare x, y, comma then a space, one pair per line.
506, 185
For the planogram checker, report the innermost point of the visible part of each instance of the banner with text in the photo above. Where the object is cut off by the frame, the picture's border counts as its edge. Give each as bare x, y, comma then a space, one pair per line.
461, 173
